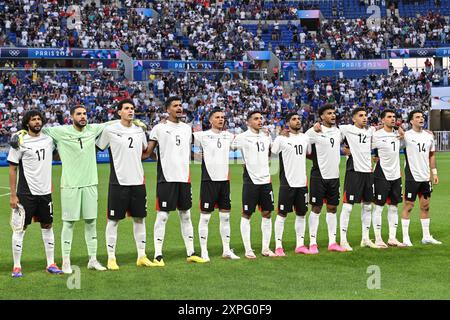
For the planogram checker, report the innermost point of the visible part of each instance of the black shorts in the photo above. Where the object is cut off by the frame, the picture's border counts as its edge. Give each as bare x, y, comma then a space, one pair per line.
296, 198
127, 199
173, 195
413, 188
389, 192
215, 194
257, 195
324, 191
358, 186
37, 208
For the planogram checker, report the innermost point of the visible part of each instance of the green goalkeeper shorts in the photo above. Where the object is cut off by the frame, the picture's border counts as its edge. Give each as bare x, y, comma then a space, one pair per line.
79, 203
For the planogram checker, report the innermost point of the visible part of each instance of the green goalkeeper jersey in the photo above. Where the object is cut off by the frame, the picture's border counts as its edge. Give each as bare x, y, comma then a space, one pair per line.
78, 153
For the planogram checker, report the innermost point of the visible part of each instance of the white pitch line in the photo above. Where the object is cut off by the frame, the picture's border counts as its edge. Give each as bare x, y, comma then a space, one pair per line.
4, 187
6, 194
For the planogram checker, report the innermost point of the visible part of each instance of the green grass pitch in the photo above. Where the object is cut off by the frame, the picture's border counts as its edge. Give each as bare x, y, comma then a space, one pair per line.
420, 272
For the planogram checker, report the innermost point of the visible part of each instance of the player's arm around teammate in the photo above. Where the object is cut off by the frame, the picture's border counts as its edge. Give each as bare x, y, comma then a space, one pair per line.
325, 139
215, 183
33, 190
257, 187
420, 174
292, 149
173, 190
387, 177
127, 192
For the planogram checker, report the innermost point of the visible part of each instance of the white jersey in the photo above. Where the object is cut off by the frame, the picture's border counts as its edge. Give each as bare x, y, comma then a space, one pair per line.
388, 146
34, 158
418, 147
292, 151
174, 151
326, 152
126, 145
360, 143
255, 149
215, 154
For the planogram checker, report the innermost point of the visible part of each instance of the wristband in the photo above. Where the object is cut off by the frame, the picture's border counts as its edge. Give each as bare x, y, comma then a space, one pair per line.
434, 171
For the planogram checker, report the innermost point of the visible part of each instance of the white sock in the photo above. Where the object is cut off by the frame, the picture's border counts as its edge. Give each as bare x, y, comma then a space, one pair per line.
266, 228
405, 229
111, 237
159, 231
332, 224
203, 232
225, 230
140, 236
279, 230
376, 220
245, 233
187, 231
300, 227
49, 244
313, 225
392, 221
344, 219
17, 244
366, 219
425, 228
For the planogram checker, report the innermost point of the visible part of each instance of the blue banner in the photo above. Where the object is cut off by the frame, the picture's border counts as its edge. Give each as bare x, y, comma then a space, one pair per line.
148, 13
259, 55
331, 65
412, 53
443, 52
308, 14
58, 53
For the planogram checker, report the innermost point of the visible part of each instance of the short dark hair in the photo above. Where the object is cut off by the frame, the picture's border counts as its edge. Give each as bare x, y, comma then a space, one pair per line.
385, 112
214, 110
30, 114
290, 115
124, 101
72, 109
170, 100
358, 109
251, 113
412, 113
324, 108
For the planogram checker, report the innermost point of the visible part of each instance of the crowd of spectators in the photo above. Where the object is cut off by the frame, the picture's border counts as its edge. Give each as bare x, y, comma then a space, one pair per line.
199, 30
54, 93
363, 38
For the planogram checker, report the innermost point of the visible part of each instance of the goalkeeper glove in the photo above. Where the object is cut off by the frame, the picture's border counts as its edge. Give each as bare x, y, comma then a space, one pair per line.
17, 139
141, 124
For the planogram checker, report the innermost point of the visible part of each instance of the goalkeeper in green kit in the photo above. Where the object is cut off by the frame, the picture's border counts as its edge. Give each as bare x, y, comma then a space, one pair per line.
76, 147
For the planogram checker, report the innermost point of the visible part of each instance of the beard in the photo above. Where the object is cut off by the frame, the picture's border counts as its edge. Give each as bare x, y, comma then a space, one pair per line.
79, 125
36, 129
